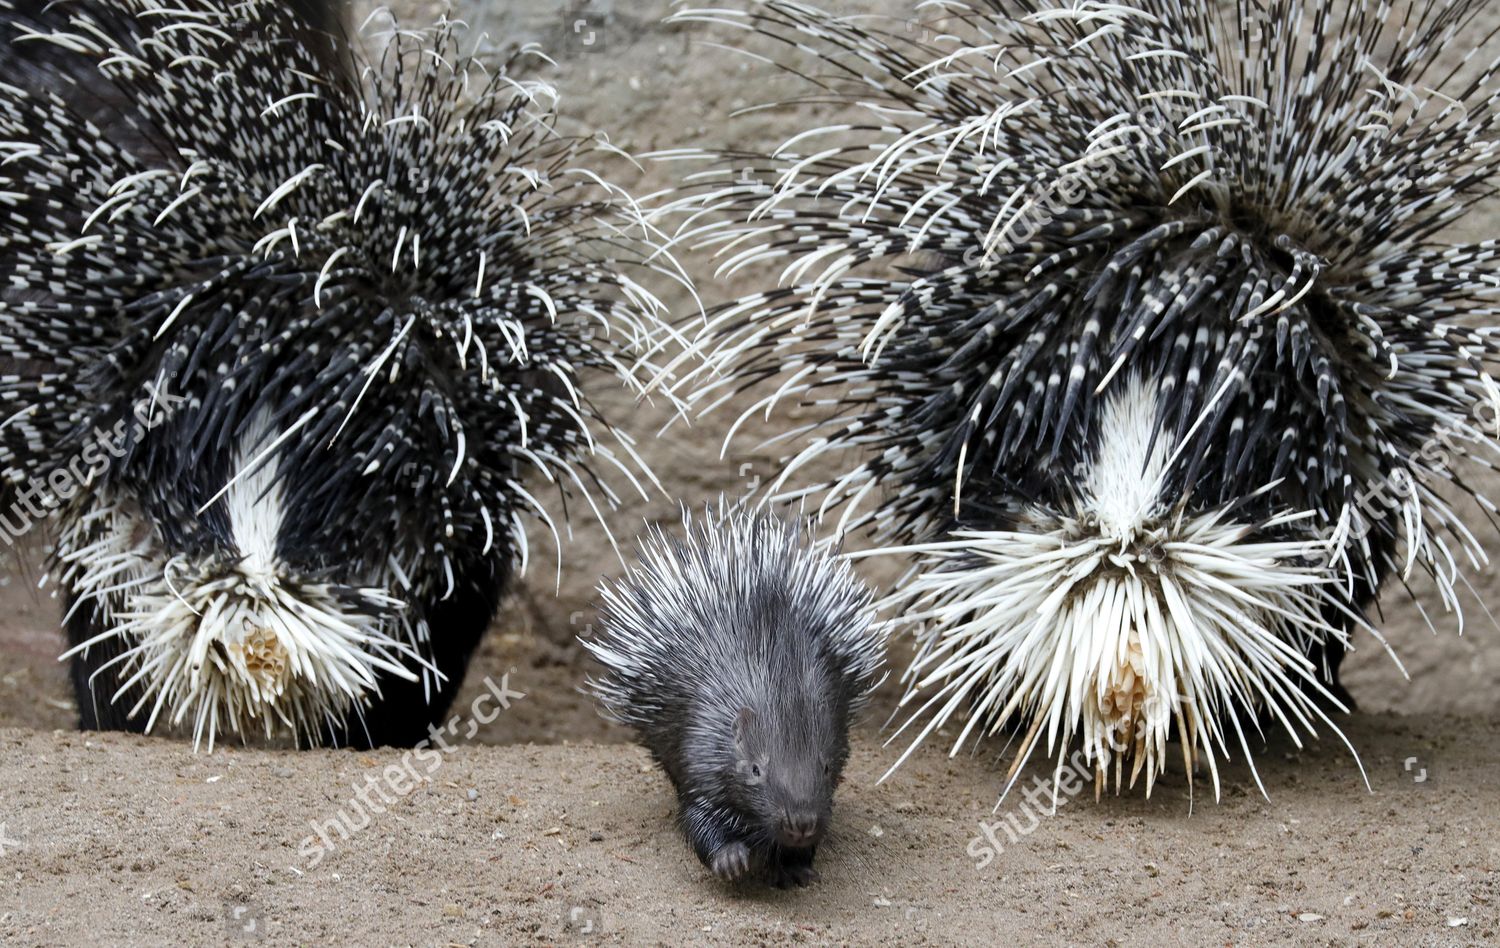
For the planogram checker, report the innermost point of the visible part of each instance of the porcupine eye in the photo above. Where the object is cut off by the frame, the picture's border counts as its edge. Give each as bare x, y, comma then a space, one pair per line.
749, 771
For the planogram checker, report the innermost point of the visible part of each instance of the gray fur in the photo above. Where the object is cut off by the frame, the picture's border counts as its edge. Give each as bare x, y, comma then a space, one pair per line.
739, 657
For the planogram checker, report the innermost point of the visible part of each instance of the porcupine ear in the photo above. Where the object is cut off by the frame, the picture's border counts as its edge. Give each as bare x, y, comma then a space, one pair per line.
743, 719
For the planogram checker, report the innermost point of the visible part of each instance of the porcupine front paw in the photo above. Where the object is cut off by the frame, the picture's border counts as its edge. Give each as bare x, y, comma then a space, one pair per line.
731, 862
793, 868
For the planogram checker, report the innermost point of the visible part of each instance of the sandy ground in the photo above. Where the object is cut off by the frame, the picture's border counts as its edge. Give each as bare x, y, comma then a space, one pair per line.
543, 828
134, 841
538, 830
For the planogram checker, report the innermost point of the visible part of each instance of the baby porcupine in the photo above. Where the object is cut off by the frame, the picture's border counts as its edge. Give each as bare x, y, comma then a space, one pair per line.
361, 304
1139, 322
739, 654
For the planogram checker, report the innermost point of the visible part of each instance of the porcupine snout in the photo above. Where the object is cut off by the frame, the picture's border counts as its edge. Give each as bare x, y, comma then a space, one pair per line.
801, 826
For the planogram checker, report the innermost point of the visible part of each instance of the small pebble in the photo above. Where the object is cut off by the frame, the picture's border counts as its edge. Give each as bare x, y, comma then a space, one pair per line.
473, 794
596, 837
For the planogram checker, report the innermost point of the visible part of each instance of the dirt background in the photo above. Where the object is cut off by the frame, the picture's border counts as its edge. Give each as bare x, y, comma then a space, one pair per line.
542, 829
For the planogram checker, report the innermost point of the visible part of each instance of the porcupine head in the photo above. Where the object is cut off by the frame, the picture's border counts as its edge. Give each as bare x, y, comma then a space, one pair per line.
781, 764
352, 303
740, 656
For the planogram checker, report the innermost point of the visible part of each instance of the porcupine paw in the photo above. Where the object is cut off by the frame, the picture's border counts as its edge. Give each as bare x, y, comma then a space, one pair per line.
731, 861
790, 873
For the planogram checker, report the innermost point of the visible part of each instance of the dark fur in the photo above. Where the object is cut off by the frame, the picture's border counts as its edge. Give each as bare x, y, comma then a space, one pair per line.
422, 467
980, 395
760, 656
754, 767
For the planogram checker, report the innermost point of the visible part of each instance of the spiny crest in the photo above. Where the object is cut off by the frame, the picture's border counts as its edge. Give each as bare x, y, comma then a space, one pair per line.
286, 240
218, 646
697, 603
1035, 201
396, 265
1115, 619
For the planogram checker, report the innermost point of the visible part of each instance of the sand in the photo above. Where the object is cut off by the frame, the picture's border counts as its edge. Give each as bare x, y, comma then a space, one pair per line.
540, 829
134, 841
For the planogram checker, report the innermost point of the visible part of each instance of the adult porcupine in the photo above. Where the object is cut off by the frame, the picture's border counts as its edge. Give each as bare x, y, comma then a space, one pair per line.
739, 655
1141, 320
372, 291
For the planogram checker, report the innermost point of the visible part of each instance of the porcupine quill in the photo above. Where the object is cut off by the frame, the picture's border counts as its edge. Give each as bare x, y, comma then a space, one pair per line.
1143, 328
363, 300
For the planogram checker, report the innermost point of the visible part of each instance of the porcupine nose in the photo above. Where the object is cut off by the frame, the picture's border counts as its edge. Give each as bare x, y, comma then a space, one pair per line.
799, 830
